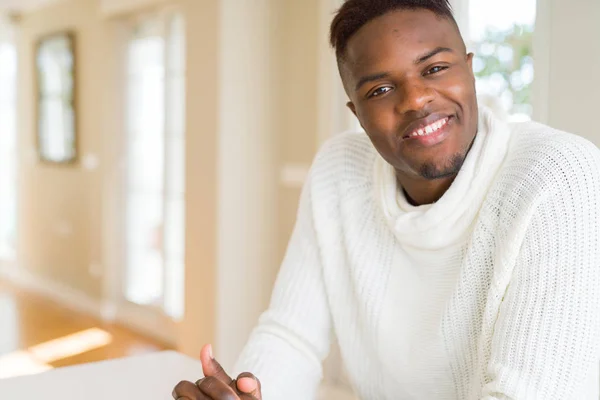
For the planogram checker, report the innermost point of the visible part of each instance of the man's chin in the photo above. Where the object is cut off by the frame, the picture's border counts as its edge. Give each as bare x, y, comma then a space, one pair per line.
448, 169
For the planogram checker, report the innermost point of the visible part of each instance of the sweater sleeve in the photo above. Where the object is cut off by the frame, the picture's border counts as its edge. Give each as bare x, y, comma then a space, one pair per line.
285, 351
547, 335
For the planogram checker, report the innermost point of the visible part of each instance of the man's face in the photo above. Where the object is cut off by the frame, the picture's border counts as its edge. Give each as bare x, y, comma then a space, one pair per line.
411, 85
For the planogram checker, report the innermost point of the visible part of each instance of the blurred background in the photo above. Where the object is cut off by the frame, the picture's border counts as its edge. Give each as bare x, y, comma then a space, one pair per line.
152, 154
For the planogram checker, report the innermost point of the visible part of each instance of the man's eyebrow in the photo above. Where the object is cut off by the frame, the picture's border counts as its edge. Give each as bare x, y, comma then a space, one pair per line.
420, 60
433, 53
371, 78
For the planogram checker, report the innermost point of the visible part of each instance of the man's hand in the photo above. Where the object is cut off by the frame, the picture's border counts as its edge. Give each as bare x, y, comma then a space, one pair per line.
217, 385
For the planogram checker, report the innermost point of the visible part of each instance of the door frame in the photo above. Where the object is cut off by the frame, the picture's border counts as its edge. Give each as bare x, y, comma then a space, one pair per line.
147, 320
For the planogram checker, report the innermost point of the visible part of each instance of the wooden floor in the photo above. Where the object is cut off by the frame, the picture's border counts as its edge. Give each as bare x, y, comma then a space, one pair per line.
28, 320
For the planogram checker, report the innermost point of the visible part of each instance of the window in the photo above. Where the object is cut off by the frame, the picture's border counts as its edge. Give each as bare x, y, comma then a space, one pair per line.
55, 66
500, 33
155, 202
8, 152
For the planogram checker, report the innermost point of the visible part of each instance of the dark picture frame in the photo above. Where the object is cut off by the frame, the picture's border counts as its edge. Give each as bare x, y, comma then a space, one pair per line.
55, 77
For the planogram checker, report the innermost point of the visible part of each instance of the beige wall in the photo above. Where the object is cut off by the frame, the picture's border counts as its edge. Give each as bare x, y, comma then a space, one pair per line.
203, 124
574, 62
60, 206
270, 59
266, 90
298, 41
248, 147
6, 32
266, 117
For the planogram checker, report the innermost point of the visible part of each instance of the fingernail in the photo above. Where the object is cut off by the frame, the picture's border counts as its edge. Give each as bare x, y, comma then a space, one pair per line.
247, 384
210, 352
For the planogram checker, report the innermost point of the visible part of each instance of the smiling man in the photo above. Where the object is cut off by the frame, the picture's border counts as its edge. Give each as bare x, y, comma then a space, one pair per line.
452, 255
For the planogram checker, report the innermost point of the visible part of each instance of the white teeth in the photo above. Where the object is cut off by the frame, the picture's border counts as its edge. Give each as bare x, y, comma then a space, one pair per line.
430, 128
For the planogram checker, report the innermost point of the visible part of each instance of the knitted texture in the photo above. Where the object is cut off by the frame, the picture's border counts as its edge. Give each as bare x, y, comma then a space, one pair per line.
507, 309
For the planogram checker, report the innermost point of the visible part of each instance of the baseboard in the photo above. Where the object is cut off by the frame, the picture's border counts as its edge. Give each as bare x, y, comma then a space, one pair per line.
130, 316
60, 293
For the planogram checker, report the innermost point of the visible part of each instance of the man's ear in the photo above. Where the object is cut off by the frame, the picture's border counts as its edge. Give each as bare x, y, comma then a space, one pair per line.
470, 61
352, 108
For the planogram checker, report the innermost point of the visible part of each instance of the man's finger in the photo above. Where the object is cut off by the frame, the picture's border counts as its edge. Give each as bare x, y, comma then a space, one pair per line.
249, 384
211, 367
214, 388
188, 391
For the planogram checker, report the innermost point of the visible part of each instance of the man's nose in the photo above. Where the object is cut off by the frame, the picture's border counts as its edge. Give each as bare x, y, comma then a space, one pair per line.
415, 96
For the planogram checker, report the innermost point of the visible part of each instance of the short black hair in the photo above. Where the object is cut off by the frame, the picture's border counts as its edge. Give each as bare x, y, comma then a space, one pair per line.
354, 14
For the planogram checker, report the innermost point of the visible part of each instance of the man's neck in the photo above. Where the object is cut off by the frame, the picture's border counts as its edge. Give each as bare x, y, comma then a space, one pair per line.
421, 191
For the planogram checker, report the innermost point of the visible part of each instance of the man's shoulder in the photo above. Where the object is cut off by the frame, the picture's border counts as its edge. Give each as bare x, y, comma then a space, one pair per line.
547, 156
542, 165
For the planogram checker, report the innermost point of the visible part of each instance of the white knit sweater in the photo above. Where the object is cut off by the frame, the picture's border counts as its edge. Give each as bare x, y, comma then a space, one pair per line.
493, 292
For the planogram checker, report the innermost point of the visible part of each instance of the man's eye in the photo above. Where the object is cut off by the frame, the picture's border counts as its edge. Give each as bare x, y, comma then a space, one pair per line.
380, 91
436, 69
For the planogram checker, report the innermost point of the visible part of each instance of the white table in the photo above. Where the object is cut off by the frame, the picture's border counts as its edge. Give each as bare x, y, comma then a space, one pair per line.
146, 377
